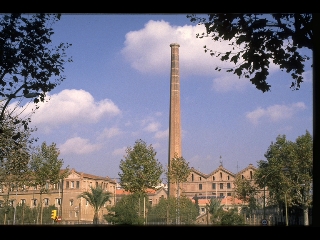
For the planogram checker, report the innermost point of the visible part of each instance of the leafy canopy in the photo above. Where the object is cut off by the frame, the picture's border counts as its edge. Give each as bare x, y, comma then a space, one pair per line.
288, 169
29, 63
140, 169
179, 170
46, 167
96, 198
259, 39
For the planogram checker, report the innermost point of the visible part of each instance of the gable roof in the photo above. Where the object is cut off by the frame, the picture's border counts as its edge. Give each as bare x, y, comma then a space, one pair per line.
221, 168
90, 176
249, 167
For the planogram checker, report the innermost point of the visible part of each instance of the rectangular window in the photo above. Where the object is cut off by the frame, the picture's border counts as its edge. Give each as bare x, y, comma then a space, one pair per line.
58, 201
221, 185
67, 184
46, 201
22, 201
72, 184
228, 185
221, 194
228, 194
213, 186
200, 186
34, 202
78, 185
71, 202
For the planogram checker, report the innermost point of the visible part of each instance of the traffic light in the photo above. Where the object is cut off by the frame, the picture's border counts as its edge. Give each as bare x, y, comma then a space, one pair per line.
54, 214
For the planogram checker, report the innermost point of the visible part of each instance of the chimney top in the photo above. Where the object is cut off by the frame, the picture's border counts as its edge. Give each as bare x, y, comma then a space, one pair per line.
174, 44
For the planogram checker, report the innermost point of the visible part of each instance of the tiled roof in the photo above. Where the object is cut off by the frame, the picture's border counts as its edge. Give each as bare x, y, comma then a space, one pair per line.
90, 176
224, 201
121, 191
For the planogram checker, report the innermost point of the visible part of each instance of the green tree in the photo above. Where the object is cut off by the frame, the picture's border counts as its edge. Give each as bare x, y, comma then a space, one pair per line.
165, 211
29, 63
214, 208
178, 172
15, 146
246, 191
231, 217
46, 170
258, 39
140, 169
96, 199
126, 211
288, 172
196, 202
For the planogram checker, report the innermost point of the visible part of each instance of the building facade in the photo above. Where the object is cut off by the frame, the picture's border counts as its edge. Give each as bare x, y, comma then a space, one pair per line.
219, 183
64, 197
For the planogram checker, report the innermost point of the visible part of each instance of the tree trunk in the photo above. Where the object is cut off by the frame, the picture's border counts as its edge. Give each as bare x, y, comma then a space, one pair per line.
95, 218
305, 215
41, 208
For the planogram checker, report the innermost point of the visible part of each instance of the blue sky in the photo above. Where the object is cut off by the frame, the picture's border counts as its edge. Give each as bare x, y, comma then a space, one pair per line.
117, 91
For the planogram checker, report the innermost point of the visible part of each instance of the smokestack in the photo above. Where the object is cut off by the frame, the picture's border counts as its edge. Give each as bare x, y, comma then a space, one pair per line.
174, 116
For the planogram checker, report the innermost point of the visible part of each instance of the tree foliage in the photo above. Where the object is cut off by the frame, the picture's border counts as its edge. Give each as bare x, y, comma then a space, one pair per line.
15, 147
178, 171
24, 215
246, 191
231, 217
45, 169
29, 63
140, 169
214, 207
96, 198
126, 210
260, 39
165, 212
288, 171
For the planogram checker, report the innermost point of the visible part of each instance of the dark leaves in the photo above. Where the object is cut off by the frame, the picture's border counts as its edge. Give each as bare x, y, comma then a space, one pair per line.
261, 38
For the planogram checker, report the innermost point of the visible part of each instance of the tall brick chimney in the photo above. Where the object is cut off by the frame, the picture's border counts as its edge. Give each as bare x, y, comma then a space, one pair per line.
174, 116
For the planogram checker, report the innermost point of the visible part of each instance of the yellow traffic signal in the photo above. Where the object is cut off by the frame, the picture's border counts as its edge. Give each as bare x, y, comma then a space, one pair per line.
54, 214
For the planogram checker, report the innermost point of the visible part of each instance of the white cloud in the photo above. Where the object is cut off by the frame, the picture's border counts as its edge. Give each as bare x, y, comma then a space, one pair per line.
162, 134
307, 76
72, 106
79, 146
152, 127
148, 49
275, 113
119, 152
109, 133
229, 82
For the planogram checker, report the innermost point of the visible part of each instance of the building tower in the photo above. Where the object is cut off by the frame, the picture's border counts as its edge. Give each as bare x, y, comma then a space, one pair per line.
174, 115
